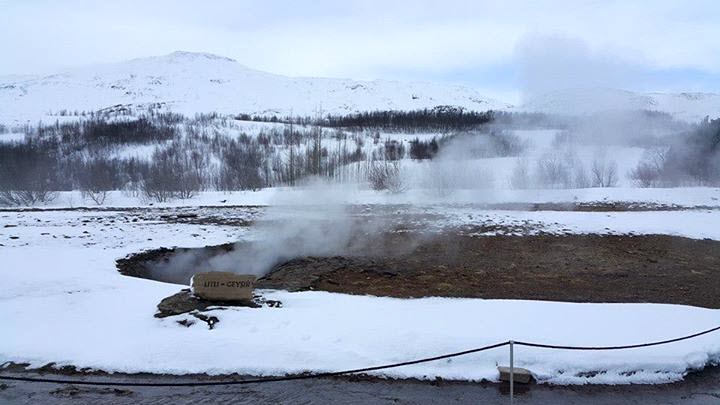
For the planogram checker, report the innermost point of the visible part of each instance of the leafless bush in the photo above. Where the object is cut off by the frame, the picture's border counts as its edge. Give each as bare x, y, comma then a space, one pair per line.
96, 179
156, 191
97, 196
384, 175
604, 173
580, 176
28, 173
506, 143
651, 171
132, 189
482, 144
554, 171
163, 187
27, 197
645, 175
520, 178
561, 170
172, 175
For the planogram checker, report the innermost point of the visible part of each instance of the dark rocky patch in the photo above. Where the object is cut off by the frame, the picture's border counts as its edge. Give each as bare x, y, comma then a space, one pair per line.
184, 302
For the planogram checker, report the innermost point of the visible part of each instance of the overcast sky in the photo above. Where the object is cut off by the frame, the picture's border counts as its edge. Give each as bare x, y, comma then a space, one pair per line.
502, 47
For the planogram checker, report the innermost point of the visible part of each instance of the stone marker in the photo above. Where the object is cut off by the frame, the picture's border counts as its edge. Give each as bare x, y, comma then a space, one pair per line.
223, 286
520, 375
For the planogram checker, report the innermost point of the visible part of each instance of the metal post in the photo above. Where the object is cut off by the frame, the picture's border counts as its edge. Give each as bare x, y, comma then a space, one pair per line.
512, 372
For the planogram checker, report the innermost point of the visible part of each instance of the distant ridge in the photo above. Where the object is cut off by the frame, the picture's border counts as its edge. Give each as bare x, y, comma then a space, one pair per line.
193, 82
197, 82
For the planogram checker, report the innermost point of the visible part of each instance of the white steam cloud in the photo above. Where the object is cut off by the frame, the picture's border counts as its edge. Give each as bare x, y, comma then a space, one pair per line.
550, 63
312, 221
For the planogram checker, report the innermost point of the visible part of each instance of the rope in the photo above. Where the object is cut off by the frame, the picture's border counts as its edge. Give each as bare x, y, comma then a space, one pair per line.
257, 380
352, 371
661, 342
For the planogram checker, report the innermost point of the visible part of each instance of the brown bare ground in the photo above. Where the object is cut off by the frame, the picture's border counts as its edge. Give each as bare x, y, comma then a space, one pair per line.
579, 268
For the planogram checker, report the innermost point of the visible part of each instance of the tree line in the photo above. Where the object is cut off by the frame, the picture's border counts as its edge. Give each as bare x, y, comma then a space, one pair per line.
186, 158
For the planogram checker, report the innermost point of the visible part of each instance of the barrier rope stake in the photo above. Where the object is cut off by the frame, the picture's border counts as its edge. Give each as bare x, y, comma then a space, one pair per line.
512, 372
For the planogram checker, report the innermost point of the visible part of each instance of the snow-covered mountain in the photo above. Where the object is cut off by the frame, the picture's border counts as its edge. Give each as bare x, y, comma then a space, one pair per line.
684, 106
189, 83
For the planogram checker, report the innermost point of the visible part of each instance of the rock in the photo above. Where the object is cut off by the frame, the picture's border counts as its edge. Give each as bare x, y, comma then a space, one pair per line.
186, 322
210, 320
184, 302
520, 375
225, 286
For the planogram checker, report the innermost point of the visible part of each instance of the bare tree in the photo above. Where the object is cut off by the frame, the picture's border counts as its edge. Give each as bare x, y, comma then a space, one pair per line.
604, 173
651, 171
96, 179
554, 171
172, 174
28, 174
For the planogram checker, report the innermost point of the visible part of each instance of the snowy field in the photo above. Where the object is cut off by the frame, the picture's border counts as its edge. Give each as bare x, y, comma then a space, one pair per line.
688, 197
61, 295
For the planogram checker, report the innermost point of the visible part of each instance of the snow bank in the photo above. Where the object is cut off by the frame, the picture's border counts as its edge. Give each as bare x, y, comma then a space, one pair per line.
62, 301
101, 328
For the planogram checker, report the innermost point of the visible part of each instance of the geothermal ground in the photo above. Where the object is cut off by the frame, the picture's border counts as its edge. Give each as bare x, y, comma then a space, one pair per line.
575, 268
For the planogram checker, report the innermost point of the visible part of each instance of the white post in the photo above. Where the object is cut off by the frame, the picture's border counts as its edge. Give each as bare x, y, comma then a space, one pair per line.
512, 372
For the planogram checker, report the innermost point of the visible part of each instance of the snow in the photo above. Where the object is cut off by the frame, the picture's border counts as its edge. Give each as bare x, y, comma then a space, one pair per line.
60, 281
697, 224
12, 137
317, 331
688, 197
691, 107
191, 83
140, 152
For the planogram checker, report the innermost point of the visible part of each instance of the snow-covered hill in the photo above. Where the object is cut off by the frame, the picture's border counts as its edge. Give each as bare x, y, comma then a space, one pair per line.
684, 106
189, 83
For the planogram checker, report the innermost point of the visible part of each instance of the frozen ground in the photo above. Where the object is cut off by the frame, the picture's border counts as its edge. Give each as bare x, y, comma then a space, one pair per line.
60, 281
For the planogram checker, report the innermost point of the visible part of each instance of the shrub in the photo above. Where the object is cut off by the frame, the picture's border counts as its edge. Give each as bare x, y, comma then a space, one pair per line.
604, 173
384, 175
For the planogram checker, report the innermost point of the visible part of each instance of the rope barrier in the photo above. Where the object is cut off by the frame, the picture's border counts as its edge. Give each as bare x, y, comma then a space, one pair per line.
661, 342
257, 380
352, 371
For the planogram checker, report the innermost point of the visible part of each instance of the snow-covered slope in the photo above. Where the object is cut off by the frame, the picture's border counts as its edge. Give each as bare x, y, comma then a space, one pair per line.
684, 106
190, 83
197, 82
